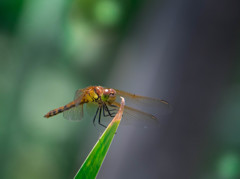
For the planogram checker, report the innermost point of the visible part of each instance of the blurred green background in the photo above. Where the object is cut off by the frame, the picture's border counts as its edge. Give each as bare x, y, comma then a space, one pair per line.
49, 49
185, 52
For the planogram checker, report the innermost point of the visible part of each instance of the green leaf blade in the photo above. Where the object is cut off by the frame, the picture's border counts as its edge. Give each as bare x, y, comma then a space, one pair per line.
93, 162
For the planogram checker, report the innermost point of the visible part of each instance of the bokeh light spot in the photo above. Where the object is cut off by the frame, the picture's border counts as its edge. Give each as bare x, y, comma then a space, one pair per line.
107, 12
228, 166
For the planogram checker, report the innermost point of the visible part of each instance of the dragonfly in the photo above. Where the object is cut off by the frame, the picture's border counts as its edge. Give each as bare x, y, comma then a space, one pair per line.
105, 100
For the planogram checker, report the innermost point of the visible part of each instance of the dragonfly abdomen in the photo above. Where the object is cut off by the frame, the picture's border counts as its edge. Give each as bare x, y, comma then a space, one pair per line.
60, 109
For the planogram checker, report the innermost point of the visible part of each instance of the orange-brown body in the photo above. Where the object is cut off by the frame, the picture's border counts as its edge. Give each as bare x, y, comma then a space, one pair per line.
107, 105
86, 95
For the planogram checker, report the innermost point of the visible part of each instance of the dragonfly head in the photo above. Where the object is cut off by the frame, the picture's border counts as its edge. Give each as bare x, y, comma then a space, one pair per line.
109, 95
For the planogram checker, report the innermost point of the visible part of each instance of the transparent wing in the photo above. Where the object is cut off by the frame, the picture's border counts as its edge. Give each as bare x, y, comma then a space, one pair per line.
90, 110
74, 113
154, 106
78, 93
136, 117
86, 111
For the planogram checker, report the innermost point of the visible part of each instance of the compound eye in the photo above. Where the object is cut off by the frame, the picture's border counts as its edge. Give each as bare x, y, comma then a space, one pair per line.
106, 92
111, 94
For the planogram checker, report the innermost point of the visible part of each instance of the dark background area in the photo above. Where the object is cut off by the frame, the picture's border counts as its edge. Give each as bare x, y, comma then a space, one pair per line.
186, 52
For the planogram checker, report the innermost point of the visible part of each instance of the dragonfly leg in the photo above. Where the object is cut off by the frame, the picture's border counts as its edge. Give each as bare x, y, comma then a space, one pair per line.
95, 116
99, 118
105, 110
105, 115
109, 111
112, 105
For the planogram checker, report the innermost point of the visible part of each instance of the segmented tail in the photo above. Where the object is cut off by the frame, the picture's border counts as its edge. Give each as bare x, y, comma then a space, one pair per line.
60, 109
